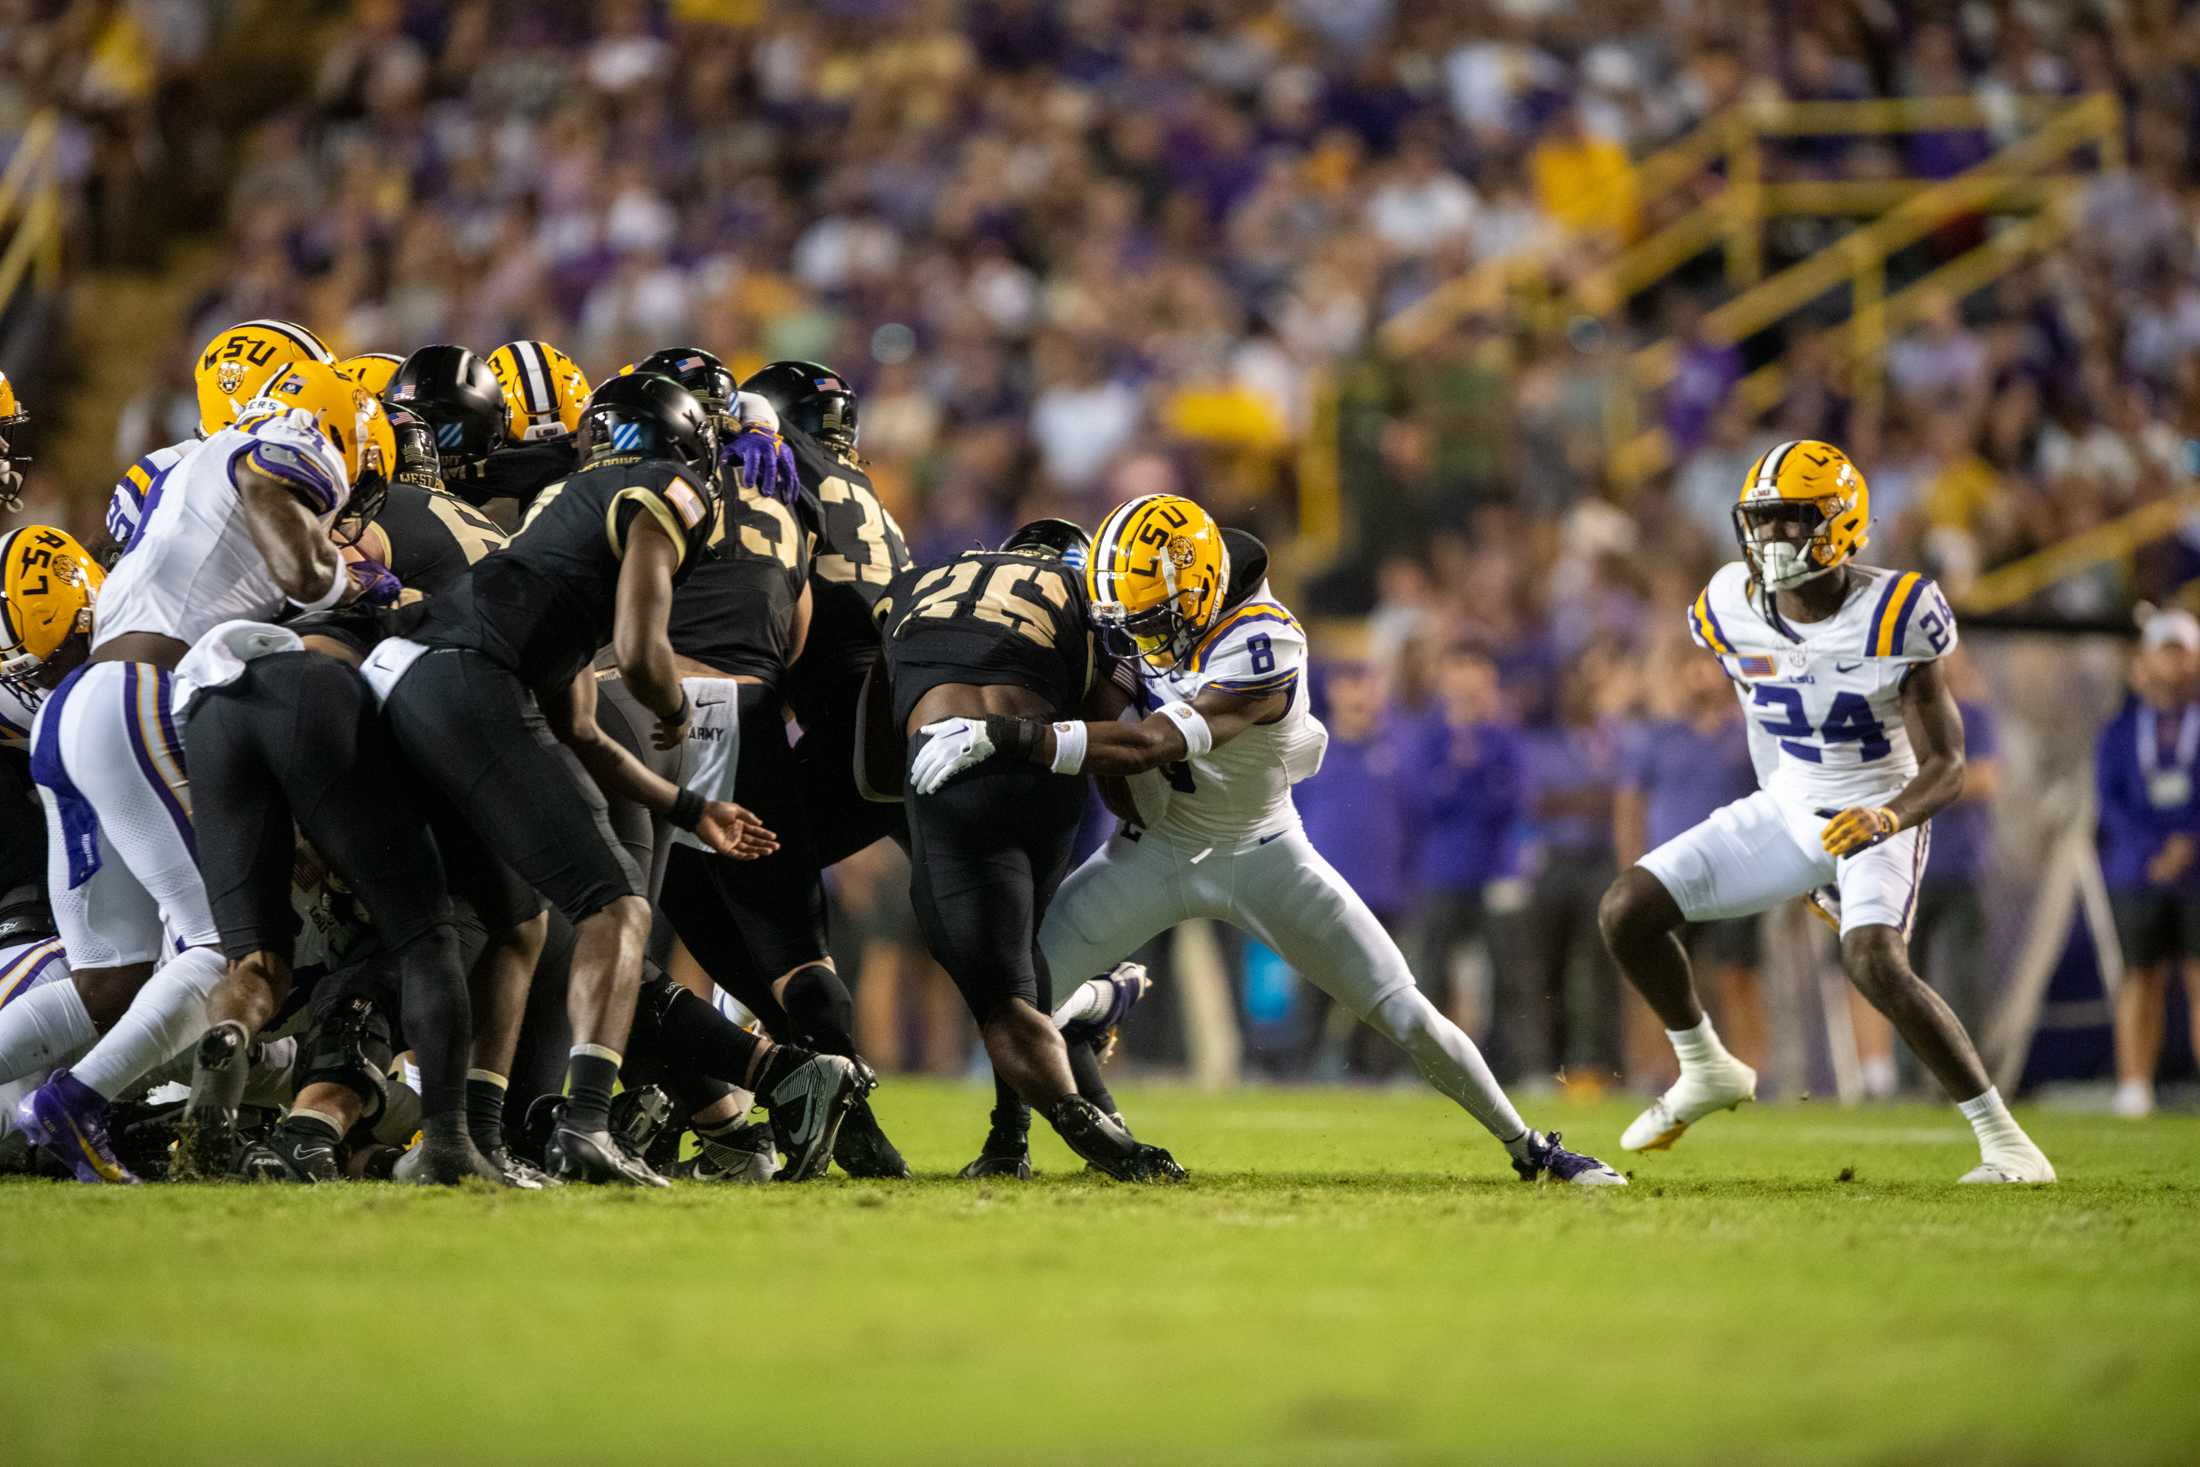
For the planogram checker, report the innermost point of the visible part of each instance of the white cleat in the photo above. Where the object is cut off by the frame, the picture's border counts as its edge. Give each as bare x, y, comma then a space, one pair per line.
2029, 1164
1696, 1094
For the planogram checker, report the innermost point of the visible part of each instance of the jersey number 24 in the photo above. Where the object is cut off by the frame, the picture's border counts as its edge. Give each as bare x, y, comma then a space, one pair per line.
1848, 721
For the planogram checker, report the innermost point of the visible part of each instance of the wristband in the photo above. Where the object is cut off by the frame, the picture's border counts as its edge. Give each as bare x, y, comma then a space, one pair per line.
1070, 740
1016, 737
1198, 737
687, 809
331, 596
680, 714
1894, 821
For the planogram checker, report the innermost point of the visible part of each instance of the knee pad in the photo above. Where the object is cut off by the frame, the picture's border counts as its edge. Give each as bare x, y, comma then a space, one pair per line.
821, 1009
350, 1046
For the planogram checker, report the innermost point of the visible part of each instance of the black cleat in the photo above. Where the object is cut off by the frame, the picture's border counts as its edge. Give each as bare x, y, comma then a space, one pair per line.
1005, 1154
446, 1162
1096, 1137
293, 1153
515, 1172
807, 1107
596, 1157
862, 1148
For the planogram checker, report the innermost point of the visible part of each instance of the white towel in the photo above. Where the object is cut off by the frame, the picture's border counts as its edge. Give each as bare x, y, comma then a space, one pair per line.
219, 657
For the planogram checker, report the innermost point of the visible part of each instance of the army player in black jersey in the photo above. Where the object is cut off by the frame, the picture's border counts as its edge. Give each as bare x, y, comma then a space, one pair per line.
486, 669
426, 535
860, 549
759, 930
1003, 635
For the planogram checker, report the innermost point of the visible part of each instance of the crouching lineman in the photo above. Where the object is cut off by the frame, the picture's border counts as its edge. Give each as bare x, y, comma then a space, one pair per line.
467, 690
1838, 666
1220, 664
993, 639
231, 533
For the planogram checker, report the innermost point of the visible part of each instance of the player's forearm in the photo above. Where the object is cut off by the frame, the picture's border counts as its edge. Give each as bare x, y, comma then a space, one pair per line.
1937, 785
621, 776
299, 557
1094, 748
649, 668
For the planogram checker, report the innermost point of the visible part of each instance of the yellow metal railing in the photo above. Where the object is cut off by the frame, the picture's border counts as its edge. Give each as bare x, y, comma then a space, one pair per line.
30, 211
2036, 174
2116, 540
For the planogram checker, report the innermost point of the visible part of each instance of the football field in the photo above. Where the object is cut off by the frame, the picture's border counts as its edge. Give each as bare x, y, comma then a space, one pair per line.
1350, 1277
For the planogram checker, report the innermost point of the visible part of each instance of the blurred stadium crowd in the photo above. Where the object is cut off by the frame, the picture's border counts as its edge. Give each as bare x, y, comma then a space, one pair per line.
1077, 251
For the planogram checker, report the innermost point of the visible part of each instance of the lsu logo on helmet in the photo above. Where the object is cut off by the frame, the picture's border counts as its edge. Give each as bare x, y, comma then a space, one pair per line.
544, 391
1810, 484
48, 584
1157, 576
243, 356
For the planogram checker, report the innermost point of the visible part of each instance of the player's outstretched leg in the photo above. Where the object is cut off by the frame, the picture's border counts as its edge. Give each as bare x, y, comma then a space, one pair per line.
1878, 963
1640, 922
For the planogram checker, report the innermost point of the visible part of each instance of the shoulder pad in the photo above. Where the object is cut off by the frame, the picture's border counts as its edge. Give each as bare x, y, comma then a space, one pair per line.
1255, 650
1910, 620
1726, 594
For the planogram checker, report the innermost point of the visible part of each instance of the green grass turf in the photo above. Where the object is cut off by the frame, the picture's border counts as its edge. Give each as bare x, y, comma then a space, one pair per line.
1350, 1277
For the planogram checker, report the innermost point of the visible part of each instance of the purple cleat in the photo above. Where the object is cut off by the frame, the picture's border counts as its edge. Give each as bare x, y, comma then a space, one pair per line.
69, 1119
1546, 1158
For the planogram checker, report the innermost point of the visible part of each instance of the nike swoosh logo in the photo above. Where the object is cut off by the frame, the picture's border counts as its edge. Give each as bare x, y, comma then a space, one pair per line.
1846, 666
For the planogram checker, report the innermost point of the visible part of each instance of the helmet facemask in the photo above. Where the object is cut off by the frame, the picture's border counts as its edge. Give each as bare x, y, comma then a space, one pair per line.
1782, 561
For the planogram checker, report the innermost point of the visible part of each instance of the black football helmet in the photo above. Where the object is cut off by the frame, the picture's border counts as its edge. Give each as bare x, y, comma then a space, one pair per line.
698, 371
812, 397
418, 463
650, 415
1065, 541
456, 394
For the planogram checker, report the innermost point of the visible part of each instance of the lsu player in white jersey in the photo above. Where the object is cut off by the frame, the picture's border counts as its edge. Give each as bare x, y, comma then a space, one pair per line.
232, 533
1221, 685
1858, 744
228, 373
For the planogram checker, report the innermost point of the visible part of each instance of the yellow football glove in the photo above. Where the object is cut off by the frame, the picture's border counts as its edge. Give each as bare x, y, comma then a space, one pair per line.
1858, 828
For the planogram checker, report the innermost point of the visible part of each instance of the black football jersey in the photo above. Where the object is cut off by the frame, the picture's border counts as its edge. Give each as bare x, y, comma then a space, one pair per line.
543, 605
989, 617
859, 552
506, 482
433, 537
735, 612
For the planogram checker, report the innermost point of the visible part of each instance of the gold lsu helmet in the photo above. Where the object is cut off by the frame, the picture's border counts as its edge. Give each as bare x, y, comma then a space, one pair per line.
242, 357
12, 415
544, 391
48, 583
371, 369
1157, 575
1808, 483
351, 418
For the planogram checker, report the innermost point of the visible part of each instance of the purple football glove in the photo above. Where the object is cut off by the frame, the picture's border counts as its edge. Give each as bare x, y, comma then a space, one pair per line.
765, 463
378, 584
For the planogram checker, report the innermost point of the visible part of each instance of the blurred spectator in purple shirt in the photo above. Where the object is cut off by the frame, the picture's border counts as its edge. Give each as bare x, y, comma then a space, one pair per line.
1704, 374
1568, 994
1465, 764
1687, 759
1356, 809
2145, 768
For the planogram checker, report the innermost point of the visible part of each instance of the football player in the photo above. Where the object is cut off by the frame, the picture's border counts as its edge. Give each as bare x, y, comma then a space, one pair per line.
283, 734
994, 638
233, 532
759, 930
860, 549
1857, 743
1220, 666
489, 666
229, 372
543, 393
424, 534
14, 423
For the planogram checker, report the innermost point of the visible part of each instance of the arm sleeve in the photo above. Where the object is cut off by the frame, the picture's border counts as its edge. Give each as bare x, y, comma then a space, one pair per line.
679, 507
299, 459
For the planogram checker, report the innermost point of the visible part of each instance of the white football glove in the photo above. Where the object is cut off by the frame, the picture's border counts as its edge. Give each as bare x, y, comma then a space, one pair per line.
952, 745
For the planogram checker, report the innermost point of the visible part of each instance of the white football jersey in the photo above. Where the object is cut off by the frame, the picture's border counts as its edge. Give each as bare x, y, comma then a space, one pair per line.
126, 506
192, 565
1826, 695
1240, 793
